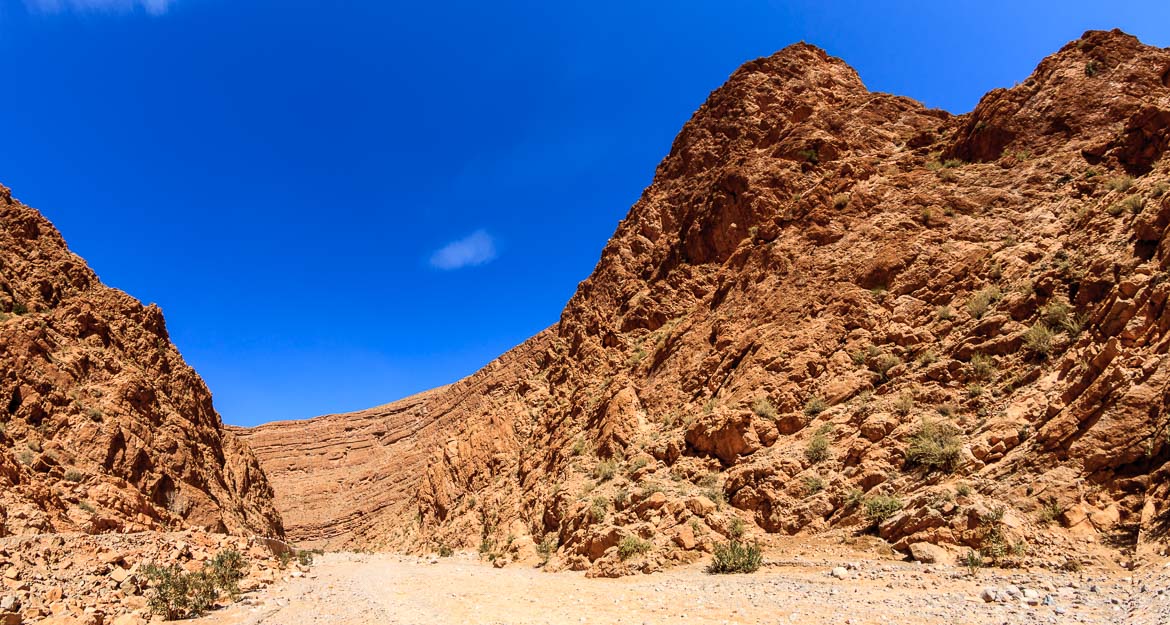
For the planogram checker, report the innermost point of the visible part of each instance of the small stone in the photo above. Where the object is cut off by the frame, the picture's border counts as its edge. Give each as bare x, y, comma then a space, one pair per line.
989, 595
930, 554
119, 574
53, 595
10, 618
839, 572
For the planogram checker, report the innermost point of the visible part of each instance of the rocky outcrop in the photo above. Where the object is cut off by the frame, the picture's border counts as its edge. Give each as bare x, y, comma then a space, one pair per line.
839, 308
335, 474
104, 427
351, 480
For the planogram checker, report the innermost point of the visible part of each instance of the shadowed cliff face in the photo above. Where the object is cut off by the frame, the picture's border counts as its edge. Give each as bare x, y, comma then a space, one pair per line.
834, 308
104, 427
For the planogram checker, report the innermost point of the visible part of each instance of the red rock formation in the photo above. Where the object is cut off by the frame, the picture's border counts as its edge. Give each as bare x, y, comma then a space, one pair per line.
104, 427
818, 278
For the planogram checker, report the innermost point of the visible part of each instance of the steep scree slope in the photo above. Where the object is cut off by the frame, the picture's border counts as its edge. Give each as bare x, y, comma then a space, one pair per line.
837, 308
103, 427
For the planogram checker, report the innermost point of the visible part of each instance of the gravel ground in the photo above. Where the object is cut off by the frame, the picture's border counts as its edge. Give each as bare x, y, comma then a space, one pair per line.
383, 589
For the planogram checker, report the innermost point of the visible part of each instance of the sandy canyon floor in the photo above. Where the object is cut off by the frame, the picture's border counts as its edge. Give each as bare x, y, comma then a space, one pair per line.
374, 589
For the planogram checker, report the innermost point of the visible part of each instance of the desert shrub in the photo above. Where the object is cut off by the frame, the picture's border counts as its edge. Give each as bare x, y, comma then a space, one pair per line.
928, 357
841, 200
1038, 339
226, 570
579, 447
735, 556
974, 390
883, 363
631, 546
764, 408
547, 548
486, 545
1133, 204
605, 470
284, 558
904, 404
1055, 313
854, 497
1120, 183
944, 313
935, 445
74, 475
19, 308
88, 507
1159, 190
736, 529
304, 557
812, 484
445, 551
818, 446
951, 163
973, 561
815, 406
982, 300
178, 593
963, 490
1051, 512
598, 509
881, 507
992, 542
982, 367
621, 499
1074, 325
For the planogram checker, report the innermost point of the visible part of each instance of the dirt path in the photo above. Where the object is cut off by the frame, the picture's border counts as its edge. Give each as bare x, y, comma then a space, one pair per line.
389, 589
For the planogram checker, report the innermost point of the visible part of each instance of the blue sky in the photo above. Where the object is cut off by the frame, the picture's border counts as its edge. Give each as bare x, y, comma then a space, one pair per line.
338, 204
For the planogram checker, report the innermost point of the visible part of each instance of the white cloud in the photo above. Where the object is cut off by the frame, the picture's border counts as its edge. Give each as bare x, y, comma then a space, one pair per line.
152, 7
476, 248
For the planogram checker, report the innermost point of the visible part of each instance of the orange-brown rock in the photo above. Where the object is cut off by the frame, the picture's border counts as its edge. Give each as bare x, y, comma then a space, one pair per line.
104, 427
337, 473
72, 577
817, 272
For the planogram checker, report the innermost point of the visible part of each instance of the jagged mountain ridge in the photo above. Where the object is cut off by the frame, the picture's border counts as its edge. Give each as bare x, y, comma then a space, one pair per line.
819, 266
104, 426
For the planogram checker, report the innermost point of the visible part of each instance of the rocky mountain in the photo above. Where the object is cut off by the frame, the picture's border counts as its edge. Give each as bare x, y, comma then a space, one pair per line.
832, 310
103, 427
